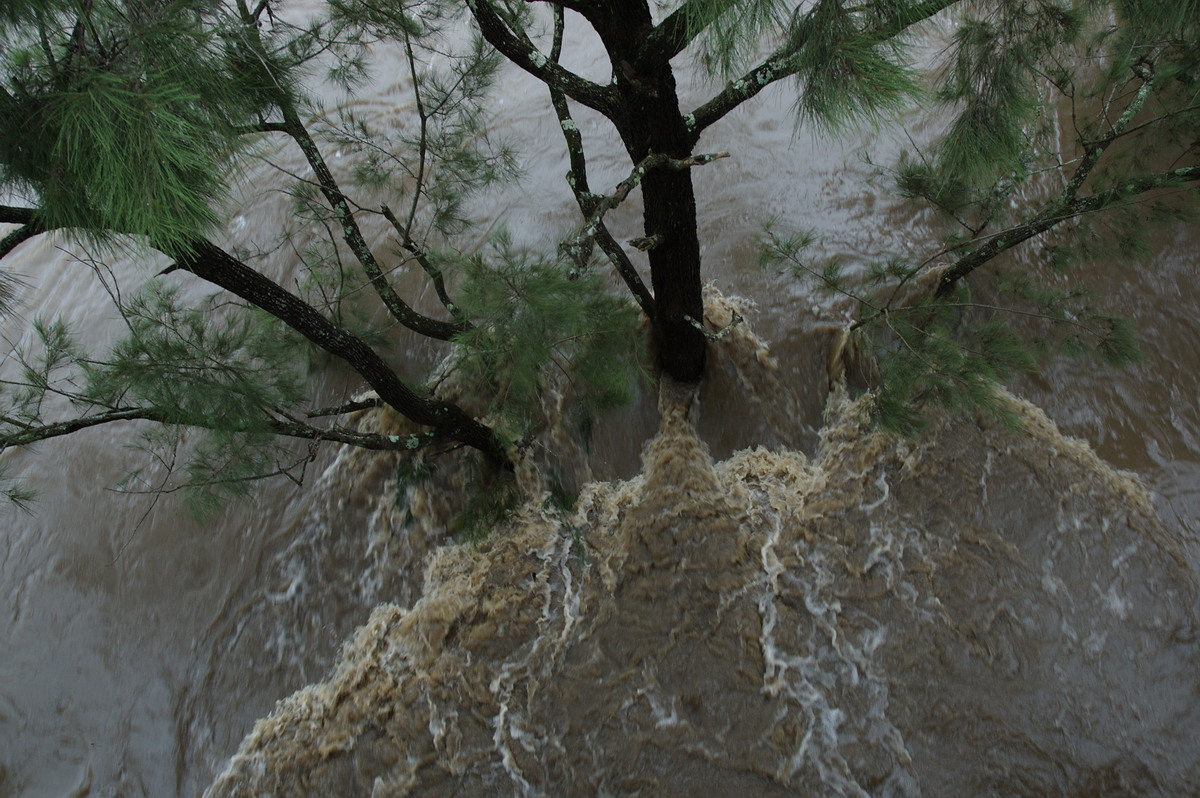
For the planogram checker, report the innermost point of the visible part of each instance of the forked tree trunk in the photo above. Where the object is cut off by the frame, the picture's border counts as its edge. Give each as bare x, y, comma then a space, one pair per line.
643, 105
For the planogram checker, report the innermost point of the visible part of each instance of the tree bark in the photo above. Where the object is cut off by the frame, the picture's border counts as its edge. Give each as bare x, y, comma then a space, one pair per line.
449, 421
644, 107
670, 213
652, 123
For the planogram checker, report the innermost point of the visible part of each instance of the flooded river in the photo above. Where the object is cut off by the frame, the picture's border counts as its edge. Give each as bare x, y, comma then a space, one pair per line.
975, 612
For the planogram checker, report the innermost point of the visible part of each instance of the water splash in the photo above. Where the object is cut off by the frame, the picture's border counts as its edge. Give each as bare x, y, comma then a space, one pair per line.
979, 611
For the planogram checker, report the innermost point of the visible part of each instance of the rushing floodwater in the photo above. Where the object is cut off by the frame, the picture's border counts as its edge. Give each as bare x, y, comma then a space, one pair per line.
978, 612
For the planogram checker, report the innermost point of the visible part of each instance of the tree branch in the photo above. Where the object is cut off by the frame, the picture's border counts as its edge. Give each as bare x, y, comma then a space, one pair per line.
577, 179
448, 420
783, 63
578, 6
28, 435
13, 215
261, 127
209, 262
577, 176
294, 127
213, 264
904, 17
1060, 211
1094, 150
349, 407
600, 98
400, 310
29, 228
18, 237
363, 440
31, 435
604, 204
669, 37
434, 273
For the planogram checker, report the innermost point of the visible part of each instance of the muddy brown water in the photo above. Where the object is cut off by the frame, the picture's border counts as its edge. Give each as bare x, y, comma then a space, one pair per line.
975, 612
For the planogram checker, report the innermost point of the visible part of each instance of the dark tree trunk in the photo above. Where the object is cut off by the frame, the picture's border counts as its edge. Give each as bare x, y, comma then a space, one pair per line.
644, 107
650, 122
675, 271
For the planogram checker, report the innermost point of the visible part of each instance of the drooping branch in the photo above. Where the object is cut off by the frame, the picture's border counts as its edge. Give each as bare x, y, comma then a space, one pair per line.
577, 179
18, 237
260, 127
213, 264
35, 434
14, 215
209, 262
29, 227
783, 63
497, 32
904, 16
1057, 213
448, 420
10, 242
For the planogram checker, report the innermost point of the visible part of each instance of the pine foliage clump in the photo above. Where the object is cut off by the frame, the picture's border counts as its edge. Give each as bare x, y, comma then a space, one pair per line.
217, 376
110, 134
536, 321
1055, 132
846, 74
1071, 125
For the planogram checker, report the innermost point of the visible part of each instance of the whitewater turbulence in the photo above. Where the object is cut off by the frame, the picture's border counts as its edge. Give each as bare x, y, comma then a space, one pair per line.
982, 611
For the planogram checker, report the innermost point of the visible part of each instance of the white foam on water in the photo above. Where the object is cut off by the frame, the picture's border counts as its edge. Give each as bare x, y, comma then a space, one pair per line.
768, 624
